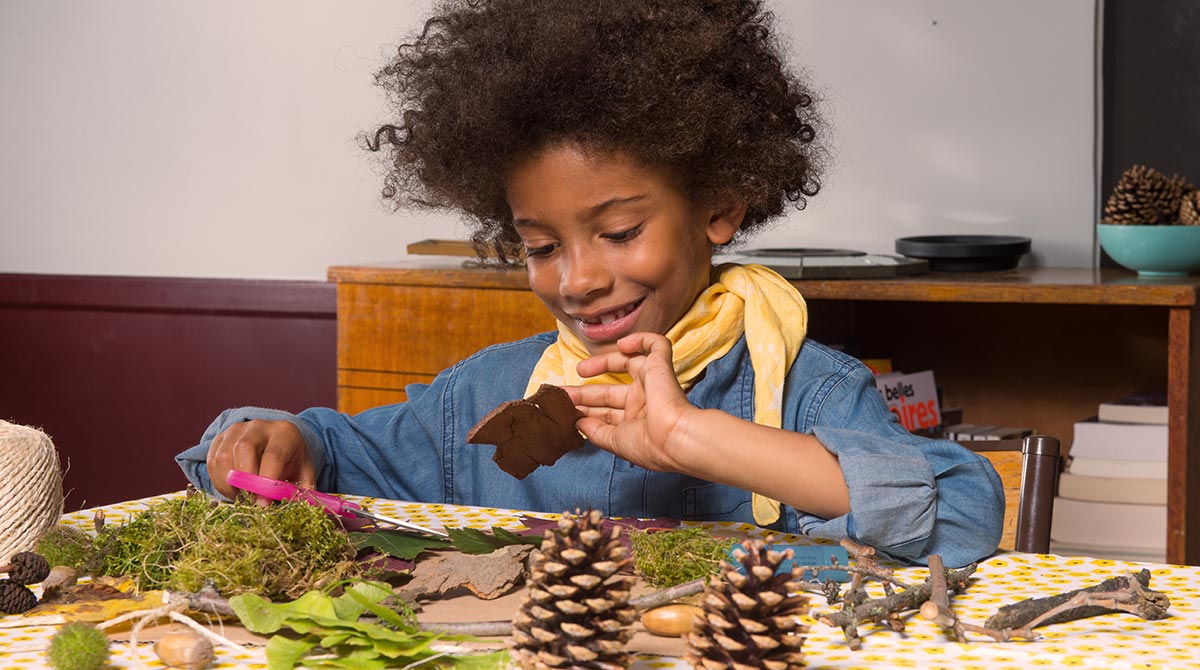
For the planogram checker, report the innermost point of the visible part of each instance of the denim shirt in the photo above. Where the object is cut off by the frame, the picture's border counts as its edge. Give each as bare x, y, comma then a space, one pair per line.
909, 496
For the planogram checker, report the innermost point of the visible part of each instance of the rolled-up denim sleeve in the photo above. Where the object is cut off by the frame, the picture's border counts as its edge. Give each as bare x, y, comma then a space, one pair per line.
910, 496
910, 500
193, 461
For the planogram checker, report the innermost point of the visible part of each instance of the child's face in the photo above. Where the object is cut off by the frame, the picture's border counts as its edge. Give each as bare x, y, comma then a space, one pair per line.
612, 247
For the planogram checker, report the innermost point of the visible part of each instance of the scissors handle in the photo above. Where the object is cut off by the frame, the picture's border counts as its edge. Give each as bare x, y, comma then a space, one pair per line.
281, 490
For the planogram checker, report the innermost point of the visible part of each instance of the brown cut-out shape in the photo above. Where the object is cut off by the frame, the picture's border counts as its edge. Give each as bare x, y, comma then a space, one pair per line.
530, 432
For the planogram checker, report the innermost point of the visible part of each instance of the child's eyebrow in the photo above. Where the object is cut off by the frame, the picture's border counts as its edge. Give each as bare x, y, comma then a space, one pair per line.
593, 211
597, 210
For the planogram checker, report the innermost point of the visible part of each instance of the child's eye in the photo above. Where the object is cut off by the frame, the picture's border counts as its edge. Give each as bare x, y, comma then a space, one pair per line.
538, 251
625, 235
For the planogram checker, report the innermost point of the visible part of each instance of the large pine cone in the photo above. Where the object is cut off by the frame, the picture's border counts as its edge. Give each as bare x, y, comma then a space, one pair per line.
1145, 196
576, 613
1189, 209
751, 620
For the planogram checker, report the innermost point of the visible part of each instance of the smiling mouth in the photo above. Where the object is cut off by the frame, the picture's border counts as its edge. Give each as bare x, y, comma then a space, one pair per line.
609, 317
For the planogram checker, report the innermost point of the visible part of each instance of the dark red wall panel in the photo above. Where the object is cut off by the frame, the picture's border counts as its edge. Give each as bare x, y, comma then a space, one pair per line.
123, 372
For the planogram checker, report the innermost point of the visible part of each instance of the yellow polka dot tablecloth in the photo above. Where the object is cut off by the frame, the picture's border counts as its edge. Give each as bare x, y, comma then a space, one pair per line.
1121, 641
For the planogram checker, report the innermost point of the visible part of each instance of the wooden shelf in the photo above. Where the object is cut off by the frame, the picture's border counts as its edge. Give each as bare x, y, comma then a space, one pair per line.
1037, 348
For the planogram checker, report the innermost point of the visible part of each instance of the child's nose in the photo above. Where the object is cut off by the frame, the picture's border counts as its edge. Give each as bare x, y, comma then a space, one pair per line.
584, 274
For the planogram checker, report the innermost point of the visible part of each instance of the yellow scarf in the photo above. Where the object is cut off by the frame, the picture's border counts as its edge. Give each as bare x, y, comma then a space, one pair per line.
748, 299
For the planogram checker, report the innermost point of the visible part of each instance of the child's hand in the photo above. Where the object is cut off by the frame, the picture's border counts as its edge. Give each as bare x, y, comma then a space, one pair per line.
635, 421
272, 449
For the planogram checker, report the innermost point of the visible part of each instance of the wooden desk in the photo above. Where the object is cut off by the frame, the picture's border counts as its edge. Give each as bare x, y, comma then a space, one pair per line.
1039, 348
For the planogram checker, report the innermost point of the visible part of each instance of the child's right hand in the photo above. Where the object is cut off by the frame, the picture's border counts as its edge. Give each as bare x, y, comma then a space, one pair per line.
274, 449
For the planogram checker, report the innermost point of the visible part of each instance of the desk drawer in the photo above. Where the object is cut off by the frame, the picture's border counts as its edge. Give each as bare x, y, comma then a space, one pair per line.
423, 330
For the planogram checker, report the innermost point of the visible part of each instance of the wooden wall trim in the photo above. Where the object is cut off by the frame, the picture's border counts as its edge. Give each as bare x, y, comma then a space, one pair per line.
169, 294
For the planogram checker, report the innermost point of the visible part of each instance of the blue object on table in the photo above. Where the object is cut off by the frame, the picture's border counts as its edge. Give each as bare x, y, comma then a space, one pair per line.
806, 554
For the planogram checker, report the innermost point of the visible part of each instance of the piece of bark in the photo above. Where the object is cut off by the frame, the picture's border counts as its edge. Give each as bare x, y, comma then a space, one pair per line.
1147, 603
486, 575
532, 432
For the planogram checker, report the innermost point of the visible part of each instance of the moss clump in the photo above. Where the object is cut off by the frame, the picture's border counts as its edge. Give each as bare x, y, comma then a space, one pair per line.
78, 646
180, 544
671, 557
66, 545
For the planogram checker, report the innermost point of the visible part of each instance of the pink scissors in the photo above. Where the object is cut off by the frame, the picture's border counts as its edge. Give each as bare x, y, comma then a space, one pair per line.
281, 490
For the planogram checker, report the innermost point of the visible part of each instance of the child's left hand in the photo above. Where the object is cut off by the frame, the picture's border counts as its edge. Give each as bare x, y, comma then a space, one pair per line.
639, 422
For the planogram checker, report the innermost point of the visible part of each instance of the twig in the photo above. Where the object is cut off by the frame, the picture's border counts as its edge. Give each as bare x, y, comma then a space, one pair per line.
668, 595
937, 608
1123, 593
864, 558
887, 609
207, 600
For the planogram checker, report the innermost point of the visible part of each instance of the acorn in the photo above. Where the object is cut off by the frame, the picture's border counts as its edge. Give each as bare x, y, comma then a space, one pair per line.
26, 567
671, 620
186, 649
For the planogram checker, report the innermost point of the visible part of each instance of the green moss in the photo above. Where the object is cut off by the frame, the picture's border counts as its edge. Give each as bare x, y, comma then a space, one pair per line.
667, 558
182, 544
66, 545
78, 646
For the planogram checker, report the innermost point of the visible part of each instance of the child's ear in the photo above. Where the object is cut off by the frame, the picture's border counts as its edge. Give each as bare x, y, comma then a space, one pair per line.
725, 221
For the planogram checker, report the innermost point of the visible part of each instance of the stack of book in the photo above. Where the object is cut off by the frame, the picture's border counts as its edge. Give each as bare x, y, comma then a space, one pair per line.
1112, 495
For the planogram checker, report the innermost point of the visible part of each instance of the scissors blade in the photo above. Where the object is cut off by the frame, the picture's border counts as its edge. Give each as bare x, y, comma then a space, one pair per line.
398, 523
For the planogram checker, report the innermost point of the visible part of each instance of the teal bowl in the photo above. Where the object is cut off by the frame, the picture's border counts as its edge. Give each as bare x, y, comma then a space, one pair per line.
1153, 250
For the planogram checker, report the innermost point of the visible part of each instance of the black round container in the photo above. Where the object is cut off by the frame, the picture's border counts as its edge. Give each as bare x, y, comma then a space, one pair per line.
965, 253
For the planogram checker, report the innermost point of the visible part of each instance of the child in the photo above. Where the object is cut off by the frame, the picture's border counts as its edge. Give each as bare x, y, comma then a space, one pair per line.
619, 143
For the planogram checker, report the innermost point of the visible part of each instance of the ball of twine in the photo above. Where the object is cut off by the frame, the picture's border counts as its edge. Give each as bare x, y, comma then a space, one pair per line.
31, 497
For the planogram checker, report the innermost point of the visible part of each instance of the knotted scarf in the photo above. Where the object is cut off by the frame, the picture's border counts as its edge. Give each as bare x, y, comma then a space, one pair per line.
749, 299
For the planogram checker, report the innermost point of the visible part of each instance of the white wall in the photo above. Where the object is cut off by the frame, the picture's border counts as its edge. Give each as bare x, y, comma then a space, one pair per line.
218, 138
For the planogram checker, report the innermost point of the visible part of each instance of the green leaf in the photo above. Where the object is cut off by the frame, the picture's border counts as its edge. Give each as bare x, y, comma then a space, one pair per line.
262, 616
396, 543
512, 538
283, 653
351, 608
383, 613
352, 662
475, 541
317, 621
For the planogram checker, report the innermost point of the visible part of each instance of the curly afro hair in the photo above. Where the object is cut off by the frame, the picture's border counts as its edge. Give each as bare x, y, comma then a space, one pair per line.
696, 86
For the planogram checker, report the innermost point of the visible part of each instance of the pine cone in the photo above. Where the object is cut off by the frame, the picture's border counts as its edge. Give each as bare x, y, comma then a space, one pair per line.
15, 598
1189, 209
1145, 196
751, 620
576, 613
26, 567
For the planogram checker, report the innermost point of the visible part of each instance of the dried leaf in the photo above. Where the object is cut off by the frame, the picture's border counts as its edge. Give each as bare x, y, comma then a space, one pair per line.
96, 609
487, 576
